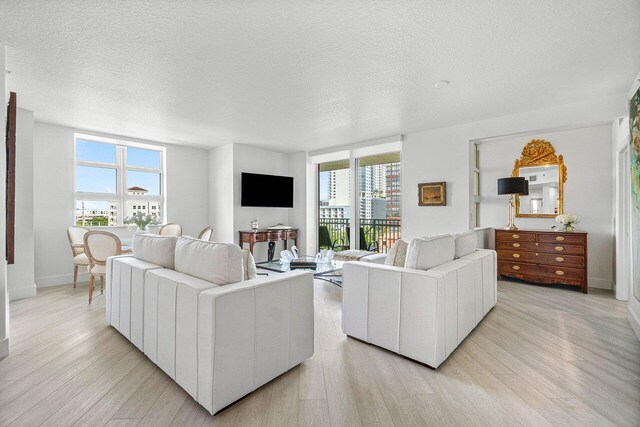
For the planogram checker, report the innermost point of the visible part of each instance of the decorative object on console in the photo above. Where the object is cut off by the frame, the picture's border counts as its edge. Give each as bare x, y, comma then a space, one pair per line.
541, 256
568, 221
512, 186
294, 251
271, 251
432, 194
546, 174
254, 224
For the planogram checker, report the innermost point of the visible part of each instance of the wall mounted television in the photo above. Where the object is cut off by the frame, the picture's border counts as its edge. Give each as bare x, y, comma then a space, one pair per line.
270, 191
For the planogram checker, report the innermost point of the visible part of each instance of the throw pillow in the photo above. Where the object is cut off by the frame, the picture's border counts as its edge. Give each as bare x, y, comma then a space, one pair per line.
425, 253
249, 271
397, 254
465, 243
219, 263
155, 249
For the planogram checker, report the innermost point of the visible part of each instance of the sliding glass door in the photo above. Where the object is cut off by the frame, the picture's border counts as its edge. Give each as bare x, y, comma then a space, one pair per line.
378, 201
375, 209
334, 205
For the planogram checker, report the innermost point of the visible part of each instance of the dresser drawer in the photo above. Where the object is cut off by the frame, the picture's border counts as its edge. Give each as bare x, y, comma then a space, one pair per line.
561, 238
562, 272
515, 236
561, 260
516, 246
560, 248
516, 256
507, 268
541, 258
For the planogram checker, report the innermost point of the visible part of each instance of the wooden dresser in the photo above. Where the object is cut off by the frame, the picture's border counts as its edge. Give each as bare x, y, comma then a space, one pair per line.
542, 256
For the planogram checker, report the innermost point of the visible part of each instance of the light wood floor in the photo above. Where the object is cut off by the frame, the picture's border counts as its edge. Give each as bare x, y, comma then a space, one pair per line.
542, 356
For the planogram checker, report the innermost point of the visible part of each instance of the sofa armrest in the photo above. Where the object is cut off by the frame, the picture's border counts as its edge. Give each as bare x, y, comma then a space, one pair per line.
375, 258
251, 332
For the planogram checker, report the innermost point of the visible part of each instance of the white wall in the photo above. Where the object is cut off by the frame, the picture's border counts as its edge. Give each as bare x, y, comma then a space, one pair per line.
187, 193
20, 275
226, 164
298, 215
588, 191
444, 155
221, 193
4, 296
257, 160
187, 188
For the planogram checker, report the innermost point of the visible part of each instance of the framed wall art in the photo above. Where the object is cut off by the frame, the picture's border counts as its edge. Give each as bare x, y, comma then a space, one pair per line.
432, 194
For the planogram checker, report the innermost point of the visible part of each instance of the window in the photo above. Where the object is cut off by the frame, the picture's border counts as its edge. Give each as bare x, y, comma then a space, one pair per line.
116, 179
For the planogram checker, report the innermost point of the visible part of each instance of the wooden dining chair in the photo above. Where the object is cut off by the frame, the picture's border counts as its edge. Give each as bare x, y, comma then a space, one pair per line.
171, 229
206, 234
75, 234
100, 245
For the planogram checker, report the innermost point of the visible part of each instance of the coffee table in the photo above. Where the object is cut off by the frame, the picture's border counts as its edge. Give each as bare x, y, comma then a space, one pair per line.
329, 272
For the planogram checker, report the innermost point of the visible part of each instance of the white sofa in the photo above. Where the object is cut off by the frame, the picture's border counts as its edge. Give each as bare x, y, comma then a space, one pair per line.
424, 310
184, 304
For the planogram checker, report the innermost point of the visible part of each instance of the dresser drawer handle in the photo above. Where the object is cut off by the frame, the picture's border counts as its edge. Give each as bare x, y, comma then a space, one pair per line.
559, 259
516, 236
560, 239
516, 245
560, 273
516, 267
559, 248
516, 255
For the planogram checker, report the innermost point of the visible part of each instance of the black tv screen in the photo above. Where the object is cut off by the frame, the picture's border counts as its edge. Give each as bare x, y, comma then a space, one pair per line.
271, 191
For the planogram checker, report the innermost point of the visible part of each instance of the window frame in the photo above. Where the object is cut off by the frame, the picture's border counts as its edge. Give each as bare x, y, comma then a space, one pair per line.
121, 197
475, 183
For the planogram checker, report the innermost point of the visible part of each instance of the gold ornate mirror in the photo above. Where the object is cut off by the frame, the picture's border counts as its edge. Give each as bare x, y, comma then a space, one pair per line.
546, 174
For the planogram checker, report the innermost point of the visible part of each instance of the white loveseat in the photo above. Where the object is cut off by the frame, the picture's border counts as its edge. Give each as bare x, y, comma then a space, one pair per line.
184, 303
424, 310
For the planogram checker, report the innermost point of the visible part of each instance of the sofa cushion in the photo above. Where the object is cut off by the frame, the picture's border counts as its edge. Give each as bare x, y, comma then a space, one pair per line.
155, 249
465, 243
219, 263
425, 253
397, 254
249, 271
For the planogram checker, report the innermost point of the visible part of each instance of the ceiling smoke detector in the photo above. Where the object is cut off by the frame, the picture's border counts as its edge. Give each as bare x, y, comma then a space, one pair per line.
441, 84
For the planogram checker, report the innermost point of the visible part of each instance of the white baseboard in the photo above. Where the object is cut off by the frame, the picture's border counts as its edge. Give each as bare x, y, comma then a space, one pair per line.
595, 282
635, 322
4, 348
62, 279
23, 292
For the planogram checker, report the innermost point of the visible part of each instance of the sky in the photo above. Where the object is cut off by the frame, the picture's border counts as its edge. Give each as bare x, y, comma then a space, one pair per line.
324, 186
104, 180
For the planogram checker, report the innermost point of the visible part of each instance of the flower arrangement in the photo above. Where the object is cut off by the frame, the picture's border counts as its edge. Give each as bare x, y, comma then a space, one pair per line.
568, 221
141, 220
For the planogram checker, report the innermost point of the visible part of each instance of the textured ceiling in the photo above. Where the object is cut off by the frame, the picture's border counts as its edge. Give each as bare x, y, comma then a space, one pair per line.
299, 74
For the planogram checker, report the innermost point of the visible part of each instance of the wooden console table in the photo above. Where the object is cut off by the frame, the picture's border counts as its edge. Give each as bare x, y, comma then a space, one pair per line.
269, 235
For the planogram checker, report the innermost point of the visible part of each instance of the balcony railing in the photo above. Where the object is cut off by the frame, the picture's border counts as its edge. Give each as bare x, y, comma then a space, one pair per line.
379, 234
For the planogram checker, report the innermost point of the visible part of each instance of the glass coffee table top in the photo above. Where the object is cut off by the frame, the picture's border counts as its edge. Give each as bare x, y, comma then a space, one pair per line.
331, 272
